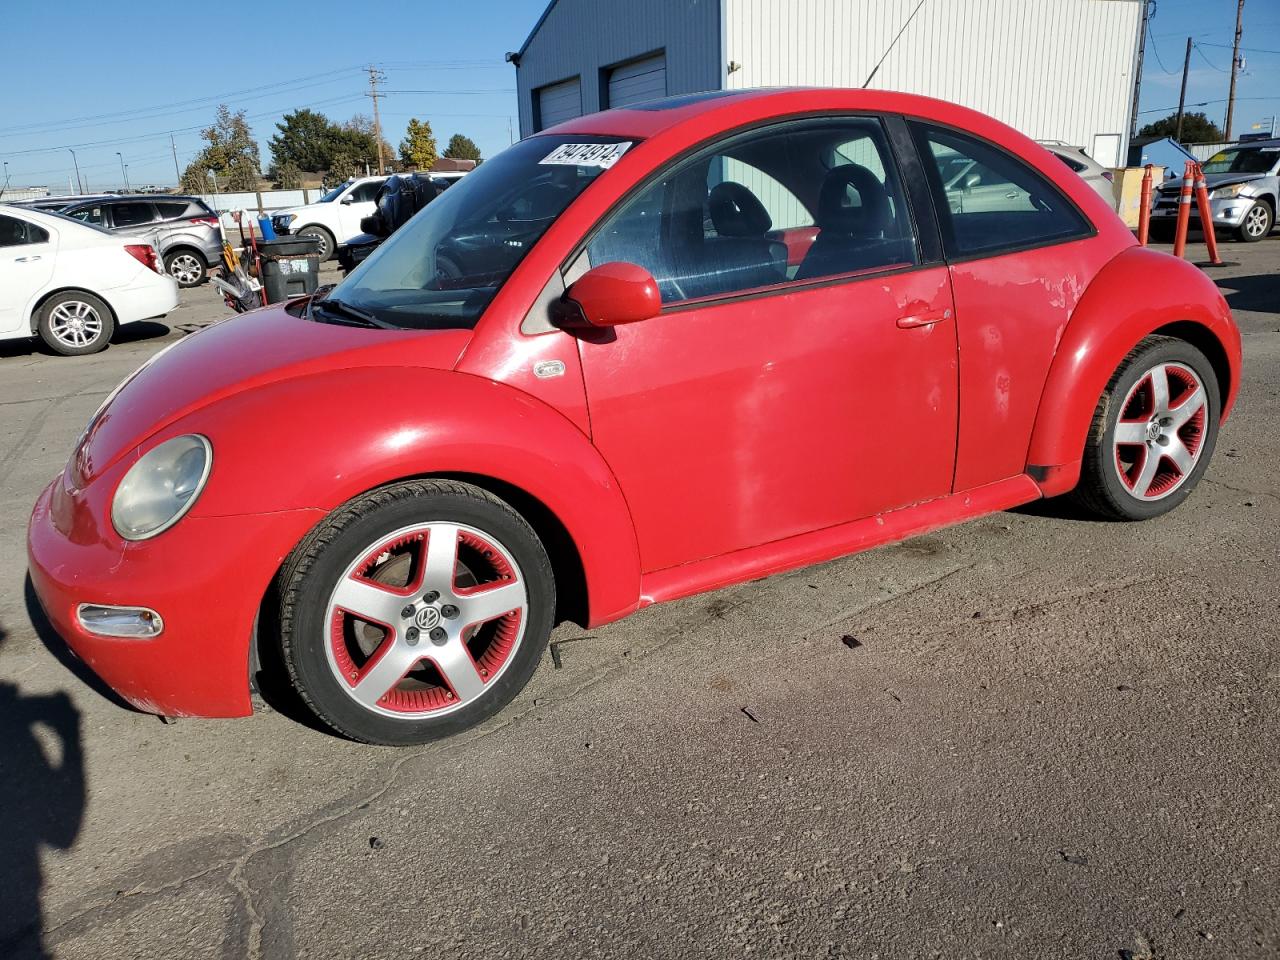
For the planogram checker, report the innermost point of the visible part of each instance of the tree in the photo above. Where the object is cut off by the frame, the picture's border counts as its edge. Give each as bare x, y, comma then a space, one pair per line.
357, 133
287, 176
1196, 128
306, 140
418, 148
462, 148
346, 162
231, 153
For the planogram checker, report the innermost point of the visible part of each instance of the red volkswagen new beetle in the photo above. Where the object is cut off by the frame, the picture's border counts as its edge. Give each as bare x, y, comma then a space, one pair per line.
645, 354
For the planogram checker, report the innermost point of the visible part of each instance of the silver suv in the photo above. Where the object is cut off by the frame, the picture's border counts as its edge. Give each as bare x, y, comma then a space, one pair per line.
1244, 185
186, 232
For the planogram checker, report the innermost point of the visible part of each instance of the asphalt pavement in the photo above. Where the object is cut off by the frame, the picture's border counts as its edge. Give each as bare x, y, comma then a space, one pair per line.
1029, 736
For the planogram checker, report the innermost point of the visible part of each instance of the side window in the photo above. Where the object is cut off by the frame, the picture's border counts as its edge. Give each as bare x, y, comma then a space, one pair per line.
365, 192
800, 200
88, 215
15, 232
171, 209
131, 214
990, 200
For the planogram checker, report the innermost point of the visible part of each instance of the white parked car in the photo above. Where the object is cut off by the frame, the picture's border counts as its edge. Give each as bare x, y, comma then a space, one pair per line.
72, 284
334, 219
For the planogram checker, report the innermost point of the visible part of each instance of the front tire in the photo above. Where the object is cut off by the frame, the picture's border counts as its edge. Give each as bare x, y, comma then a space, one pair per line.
415, 612
74, 324
1257, 223
1153, 432
327, 243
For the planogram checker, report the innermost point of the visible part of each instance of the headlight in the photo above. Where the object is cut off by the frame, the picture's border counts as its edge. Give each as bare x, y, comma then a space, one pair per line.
1224, 193
286, 218
161, 487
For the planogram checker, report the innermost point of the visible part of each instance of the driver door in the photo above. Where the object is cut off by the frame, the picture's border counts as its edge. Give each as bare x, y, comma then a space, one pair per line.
774, 395
357, 204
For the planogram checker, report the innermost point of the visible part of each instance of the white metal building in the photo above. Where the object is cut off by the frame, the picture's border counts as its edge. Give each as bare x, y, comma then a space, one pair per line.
1054, 69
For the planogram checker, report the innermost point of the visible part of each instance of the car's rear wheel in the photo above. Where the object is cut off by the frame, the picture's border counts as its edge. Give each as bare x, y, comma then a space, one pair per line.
1153, 432
75, 323
1257, 223
327, 244
1162, 232
415, 612
185, 266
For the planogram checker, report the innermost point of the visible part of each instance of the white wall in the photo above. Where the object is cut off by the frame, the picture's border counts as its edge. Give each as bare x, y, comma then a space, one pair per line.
1054, 69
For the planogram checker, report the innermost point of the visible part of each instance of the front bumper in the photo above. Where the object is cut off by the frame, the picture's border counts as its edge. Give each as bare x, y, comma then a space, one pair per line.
205, 576
1227, 213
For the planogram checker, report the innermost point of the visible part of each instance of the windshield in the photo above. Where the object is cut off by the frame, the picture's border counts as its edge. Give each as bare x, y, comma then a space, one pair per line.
1243, 160
334, 193
444, 266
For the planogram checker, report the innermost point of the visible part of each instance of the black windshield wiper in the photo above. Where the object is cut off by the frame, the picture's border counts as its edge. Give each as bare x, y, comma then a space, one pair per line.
350, 313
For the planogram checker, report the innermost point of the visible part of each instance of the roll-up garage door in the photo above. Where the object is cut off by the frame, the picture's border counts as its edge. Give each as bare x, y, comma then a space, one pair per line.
559, 102
638, 81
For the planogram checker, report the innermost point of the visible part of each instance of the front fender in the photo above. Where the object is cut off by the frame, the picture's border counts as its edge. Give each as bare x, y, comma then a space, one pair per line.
1139, 292
317, 441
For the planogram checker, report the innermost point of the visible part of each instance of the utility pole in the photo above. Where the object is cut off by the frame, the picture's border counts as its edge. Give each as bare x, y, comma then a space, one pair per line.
1137, 81
1235, 65
122, 171
79, 184
176, 172
374, 77
1182, 97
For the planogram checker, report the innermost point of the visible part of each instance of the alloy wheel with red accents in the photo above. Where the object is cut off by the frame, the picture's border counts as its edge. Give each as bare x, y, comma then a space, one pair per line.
416, 611
1153, 433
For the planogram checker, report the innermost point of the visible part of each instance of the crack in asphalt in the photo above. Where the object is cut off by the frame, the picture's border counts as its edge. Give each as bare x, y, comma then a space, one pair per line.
237, 878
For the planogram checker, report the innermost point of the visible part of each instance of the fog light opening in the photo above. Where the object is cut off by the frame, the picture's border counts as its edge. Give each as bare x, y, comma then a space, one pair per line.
136, 623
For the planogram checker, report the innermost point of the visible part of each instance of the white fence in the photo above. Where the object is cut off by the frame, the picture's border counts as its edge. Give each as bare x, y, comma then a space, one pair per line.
1203, 151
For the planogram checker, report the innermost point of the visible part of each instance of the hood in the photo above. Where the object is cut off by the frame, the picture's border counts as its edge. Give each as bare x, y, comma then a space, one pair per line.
1174, 184
239, 354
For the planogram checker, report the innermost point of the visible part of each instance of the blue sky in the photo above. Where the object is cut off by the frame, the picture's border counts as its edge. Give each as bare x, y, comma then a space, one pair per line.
83, 72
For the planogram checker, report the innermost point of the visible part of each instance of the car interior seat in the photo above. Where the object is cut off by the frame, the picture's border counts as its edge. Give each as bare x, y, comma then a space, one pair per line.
853, 235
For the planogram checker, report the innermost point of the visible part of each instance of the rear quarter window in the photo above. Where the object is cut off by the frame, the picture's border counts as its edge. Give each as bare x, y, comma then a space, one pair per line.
173, 209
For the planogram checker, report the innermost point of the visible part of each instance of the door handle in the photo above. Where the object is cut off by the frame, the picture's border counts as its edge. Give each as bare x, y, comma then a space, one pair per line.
923, 319
26, 259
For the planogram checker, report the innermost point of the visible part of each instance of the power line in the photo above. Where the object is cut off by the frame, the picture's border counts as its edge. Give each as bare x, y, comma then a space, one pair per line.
1207, 60
137, 113
1202, 103
1155, 48
1227, 46
457, 92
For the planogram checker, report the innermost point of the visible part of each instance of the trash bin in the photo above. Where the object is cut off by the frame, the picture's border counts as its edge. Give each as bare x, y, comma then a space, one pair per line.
290, 267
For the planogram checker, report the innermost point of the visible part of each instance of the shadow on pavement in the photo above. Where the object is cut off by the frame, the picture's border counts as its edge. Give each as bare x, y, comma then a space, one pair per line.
42, 799
129, 333
1259, 293
62, 653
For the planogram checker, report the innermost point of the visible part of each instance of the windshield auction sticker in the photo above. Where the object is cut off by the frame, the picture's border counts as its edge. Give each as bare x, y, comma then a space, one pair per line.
603, 155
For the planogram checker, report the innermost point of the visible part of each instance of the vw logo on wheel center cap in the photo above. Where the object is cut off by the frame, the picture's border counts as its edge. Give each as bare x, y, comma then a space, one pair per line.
1153, 430
428, 618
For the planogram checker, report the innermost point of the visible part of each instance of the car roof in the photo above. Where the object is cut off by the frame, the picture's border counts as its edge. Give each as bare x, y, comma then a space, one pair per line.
723, 109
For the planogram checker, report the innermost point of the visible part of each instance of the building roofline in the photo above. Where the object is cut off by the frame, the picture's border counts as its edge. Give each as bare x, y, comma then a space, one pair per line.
536, 27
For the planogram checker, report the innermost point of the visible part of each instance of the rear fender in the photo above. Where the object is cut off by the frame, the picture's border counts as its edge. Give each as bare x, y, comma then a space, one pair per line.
321, 440
1138, 293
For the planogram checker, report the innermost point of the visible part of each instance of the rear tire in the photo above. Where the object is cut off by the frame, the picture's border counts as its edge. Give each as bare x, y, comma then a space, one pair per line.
1257, 223
415, 612
74, 324
1161, 232
327, 243
1153, 432
186, 266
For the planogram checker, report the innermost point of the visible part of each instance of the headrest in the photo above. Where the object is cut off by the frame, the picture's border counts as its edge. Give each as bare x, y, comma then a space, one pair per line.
737, 212
869, 217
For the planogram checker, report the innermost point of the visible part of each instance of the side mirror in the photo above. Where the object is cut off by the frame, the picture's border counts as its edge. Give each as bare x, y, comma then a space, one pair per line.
609, 295
971, 181
349, 198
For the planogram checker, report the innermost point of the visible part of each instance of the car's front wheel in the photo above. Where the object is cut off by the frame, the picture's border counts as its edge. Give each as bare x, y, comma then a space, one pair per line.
323, 237
75, 323
415, 611
1257, 223
1153, 432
